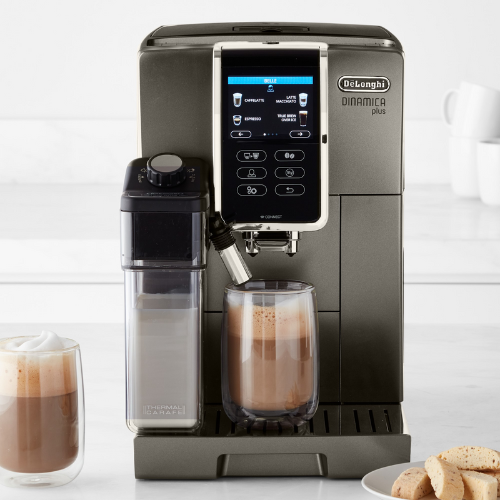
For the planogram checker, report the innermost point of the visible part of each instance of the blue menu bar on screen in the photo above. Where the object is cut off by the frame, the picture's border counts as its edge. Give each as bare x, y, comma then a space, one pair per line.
270, 80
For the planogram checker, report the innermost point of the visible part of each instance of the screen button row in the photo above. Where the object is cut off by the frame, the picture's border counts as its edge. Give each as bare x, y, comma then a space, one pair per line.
257, 155
280, 172
280, 190
294, 134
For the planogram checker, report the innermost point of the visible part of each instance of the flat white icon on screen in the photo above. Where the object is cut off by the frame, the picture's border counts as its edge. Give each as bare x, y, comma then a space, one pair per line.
237, 99
303, 100
237, 119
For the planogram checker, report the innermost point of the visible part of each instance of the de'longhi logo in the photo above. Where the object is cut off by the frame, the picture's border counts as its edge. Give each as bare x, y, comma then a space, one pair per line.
364, 84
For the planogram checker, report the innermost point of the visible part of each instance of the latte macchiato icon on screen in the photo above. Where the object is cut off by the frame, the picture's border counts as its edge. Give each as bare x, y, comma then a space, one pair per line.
303, 100
237, 99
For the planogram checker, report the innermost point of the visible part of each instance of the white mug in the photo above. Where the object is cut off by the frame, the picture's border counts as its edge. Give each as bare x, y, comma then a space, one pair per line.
476, 113
488, 165
463, 167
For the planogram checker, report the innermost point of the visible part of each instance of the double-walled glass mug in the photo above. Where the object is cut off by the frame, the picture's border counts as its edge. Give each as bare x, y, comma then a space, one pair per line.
41, 414
270, 352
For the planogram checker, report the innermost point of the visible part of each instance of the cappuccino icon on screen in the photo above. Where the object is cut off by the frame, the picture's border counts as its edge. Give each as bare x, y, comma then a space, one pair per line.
237, 119
303, 100
237, 99
303, 118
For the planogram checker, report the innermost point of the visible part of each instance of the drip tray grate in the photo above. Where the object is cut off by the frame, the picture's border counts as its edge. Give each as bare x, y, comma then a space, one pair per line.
216, 423
368, 419
335, 420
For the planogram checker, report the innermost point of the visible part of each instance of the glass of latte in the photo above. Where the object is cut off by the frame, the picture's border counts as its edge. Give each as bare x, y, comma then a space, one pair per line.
41, 411
270, 353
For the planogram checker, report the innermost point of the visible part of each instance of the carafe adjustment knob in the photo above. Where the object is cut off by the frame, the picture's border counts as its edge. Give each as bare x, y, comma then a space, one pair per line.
166, 170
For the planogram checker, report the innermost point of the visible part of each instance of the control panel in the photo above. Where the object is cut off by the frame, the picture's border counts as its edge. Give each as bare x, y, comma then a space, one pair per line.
270, 135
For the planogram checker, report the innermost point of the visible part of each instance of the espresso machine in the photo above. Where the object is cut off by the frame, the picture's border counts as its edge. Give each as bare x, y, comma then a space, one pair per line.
266, 151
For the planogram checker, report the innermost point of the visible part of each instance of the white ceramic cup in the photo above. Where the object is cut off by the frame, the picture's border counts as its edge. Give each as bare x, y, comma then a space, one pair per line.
463, 167
488, 169
476, 112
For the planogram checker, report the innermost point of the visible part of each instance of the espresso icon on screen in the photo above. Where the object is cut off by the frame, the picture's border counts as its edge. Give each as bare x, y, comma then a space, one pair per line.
303, 118
303, 100
237, 119
237, 99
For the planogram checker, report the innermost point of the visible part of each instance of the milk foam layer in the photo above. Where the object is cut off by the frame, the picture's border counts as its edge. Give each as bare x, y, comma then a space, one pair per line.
37, 366
47, 341
288, 319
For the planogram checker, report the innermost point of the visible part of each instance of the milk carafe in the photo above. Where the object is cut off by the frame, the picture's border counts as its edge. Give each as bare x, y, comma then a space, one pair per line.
164, 211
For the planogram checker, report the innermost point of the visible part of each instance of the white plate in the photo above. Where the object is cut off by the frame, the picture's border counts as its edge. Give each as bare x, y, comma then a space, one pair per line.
379, 482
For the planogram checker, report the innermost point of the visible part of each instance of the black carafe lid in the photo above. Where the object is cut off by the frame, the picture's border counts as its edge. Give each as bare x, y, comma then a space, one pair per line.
166, 183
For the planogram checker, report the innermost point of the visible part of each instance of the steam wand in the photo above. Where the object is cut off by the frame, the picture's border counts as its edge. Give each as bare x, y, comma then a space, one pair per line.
223, 240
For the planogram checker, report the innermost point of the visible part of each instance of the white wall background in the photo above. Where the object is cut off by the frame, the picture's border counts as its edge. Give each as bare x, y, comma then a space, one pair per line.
76, 60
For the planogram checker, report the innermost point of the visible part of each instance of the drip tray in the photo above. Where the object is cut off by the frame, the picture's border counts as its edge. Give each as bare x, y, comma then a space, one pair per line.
341, 441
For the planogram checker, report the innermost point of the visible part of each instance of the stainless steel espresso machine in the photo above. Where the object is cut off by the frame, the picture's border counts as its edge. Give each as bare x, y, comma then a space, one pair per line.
272, 151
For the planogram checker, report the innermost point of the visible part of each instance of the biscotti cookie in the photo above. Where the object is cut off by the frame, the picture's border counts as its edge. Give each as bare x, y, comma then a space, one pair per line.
412, 484
478, 486
445, 479
472, 458
496, 475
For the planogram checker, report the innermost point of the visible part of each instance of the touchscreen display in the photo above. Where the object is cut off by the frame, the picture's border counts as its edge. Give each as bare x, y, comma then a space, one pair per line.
271, 107
270, 136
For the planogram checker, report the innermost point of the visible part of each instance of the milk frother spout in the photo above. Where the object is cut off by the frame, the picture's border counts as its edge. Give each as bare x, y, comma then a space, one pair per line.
224, 242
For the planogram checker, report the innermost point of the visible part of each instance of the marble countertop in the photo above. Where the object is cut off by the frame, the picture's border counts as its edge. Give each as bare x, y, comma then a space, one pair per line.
451, 398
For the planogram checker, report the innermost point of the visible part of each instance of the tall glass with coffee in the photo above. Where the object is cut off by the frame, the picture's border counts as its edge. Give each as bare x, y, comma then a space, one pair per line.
41, 411
270, 352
